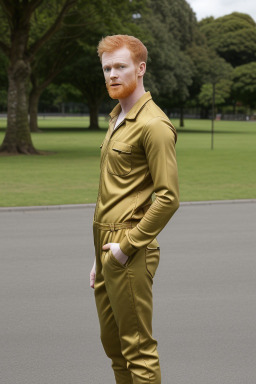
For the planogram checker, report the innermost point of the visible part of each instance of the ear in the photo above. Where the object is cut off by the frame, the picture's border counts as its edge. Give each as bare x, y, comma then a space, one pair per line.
141, 69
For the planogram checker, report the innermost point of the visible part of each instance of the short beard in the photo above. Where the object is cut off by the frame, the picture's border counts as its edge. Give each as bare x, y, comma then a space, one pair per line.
122, 91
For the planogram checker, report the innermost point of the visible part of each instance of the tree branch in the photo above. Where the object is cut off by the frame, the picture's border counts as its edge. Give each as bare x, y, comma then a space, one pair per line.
53, 29
8, 10
7, 6
34, 4
57, 67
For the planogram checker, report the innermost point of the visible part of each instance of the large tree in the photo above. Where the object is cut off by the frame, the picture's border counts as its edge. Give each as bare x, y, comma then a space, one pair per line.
3, 82
48, 64
73, 52
85, 72
21, 47
170, 69
219, 74
244, 84
232, 36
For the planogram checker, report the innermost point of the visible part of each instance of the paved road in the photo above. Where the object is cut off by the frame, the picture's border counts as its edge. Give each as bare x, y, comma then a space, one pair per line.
204, 297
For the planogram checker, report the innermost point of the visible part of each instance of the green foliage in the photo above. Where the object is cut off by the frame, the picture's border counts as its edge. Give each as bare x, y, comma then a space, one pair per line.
210, 70
222, 92
42, 19
4, 27
177, 18
170, 69
217, 69
232, 36
85, 72
64, 93
183, 54
244, 86
199, 54
37, 19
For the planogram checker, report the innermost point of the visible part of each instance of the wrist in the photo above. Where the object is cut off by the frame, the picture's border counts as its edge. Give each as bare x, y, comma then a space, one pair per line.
116, 250
118, 253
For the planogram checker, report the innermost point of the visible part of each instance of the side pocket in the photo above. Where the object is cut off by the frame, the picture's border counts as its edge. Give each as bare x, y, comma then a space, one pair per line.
152, 255
114, 260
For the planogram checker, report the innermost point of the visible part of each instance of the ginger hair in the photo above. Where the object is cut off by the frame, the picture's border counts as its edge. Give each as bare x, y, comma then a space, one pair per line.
138, 50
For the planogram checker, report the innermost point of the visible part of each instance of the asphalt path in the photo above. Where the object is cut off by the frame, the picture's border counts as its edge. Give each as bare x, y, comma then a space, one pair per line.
204, 297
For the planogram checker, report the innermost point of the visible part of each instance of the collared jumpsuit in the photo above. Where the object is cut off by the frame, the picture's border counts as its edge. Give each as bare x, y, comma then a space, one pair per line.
137, 159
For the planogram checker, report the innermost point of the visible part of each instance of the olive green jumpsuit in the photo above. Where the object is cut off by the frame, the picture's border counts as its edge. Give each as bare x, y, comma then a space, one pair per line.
137, 159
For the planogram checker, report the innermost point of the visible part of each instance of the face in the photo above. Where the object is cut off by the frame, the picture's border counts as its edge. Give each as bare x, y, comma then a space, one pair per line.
120, 73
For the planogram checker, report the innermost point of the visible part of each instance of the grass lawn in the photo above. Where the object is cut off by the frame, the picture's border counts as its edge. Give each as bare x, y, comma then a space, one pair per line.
70, 174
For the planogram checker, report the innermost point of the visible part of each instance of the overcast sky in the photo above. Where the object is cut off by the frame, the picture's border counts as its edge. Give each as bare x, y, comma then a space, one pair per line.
217, 8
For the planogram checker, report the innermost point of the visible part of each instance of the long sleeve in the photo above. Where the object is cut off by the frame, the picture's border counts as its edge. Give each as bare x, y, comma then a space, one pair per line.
158, 139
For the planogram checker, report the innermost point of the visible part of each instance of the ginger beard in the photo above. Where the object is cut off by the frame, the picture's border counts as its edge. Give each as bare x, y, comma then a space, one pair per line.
123, 90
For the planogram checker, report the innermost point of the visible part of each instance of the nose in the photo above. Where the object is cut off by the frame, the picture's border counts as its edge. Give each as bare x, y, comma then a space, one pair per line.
113, 74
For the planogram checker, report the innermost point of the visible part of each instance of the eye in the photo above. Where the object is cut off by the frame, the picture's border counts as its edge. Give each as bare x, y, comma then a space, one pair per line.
106, 69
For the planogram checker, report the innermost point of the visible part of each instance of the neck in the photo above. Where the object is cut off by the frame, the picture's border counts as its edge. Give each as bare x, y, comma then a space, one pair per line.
128, 102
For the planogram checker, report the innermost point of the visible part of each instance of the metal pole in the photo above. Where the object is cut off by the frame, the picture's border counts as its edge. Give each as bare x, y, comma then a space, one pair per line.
213, 108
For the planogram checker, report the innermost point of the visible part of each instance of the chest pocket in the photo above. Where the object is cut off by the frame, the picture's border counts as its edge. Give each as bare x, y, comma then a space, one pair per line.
119, 159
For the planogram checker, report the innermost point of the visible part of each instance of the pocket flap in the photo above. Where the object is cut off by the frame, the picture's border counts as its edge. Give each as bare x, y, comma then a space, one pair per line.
122, 148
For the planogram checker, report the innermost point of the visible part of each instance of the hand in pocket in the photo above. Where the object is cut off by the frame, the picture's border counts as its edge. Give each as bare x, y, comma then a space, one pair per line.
116, 251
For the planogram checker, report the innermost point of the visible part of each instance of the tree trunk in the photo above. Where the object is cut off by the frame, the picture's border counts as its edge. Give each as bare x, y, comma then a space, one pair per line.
17, 138
181, 116
33, 110
94, 115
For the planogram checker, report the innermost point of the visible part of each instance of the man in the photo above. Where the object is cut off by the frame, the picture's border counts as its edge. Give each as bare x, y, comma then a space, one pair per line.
137, 160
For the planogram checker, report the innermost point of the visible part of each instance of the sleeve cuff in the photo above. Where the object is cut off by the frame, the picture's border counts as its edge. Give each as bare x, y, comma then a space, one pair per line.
127, 248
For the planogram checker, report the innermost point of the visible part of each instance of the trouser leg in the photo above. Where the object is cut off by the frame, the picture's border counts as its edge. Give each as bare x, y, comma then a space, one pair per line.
124, 302
109, 330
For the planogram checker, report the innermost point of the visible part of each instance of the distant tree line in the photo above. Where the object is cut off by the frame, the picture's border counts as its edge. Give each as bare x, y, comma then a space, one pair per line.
48, 53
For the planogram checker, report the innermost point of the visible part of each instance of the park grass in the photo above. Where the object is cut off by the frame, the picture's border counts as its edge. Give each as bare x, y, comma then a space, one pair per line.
69, 173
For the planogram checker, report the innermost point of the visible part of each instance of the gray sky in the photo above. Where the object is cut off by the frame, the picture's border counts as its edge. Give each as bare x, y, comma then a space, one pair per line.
217, 8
